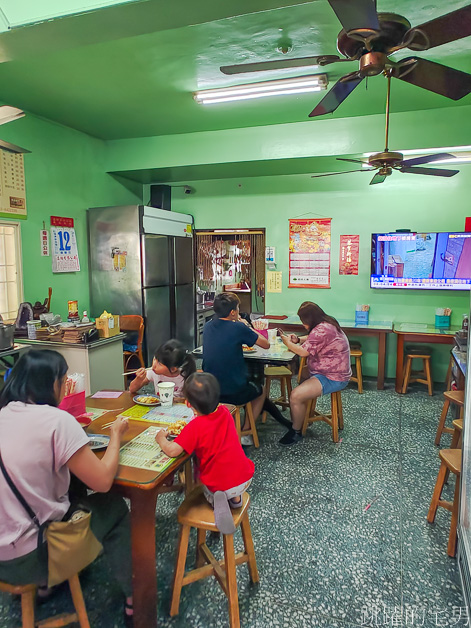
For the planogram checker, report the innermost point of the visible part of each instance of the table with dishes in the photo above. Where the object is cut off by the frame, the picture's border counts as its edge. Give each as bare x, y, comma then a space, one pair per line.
277, 354
141, 487
377, 329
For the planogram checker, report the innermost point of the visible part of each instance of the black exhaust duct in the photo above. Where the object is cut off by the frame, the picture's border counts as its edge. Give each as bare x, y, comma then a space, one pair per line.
161, 197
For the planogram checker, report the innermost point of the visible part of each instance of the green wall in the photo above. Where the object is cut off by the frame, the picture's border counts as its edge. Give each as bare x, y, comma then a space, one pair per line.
65, 175
403, 201
67, 172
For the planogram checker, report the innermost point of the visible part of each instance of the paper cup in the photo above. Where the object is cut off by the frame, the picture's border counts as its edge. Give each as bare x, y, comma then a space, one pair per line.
272, 336
166, 393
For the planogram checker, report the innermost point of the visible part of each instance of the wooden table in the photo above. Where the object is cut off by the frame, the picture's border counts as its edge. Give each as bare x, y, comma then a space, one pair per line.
416, 332
278, 355
142, 488
378, 329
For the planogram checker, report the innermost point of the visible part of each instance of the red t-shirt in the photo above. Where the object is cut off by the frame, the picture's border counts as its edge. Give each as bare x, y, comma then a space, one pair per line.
222, 461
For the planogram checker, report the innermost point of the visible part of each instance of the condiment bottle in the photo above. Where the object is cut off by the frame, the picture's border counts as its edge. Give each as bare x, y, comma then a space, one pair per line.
85, 318
465, 324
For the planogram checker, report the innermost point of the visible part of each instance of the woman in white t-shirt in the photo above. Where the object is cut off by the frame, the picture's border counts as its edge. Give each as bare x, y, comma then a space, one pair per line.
171, 363
40, 445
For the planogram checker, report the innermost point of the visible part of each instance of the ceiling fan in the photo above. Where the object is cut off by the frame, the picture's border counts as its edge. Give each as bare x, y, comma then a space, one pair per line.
388, 161
8, 114
369, 38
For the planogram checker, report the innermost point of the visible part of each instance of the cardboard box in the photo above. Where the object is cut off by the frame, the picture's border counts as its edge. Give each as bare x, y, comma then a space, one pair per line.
107, 327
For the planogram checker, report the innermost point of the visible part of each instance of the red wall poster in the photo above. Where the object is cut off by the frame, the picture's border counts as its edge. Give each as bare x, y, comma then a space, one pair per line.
349, 252
309, 253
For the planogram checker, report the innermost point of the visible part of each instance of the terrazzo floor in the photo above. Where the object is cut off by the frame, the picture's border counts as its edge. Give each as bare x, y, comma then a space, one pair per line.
323, 559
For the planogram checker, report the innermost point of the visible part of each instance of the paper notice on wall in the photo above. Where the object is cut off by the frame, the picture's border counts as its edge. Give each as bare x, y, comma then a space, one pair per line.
349, 253
65, 257
274, 281
309, 253
12, 185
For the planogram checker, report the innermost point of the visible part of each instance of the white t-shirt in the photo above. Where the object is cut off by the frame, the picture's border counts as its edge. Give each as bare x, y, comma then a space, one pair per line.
36, 442
178, 381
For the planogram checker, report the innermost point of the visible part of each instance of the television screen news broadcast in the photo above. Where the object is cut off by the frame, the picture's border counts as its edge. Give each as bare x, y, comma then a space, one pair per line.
425, 261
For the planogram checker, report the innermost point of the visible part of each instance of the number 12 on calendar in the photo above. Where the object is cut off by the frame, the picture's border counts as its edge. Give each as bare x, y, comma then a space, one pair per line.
65, 257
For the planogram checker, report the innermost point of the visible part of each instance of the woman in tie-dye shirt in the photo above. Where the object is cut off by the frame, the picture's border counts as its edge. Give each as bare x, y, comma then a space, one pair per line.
328, 360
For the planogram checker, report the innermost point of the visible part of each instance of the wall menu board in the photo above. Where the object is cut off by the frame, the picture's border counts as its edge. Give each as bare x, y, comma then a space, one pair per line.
12, 185
309, 253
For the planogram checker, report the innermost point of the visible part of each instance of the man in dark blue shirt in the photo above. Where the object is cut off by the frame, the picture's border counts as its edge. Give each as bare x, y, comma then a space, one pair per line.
223, 357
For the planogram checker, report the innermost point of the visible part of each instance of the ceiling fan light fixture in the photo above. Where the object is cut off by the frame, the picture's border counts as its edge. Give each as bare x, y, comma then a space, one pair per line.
429, 151
281, 87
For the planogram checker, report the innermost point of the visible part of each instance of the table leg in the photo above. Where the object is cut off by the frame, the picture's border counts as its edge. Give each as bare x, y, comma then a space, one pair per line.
381, 360
144, 573
399, 363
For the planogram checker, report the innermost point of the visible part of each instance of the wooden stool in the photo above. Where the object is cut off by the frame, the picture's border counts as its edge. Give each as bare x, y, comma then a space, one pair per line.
302, 373
451, 396
451, 461
252, 429
334, 419
357, 376
449, 373
195, 512
133, 323
28, 595
283, 374
423, 377
457, 433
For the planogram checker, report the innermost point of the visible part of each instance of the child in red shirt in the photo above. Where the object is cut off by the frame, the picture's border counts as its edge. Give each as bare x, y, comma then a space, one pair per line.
225, 470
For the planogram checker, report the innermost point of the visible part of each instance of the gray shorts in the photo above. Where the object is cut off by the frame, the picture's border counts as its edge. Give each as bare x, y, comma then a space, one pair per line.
231, 493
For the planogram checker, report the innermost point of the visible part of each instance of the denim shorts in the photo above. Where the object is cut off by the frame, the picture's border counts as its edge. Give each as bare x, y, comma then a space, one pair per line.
330, 385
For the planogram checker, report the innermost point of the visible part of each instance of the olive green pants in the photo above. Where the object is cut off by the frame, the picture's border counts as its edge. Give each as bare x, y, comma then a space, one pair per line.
109, 523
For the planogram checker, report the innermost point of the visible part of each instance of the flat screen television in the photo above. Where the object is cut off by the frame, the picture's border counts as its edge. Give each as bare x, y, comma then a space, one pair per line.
425, 261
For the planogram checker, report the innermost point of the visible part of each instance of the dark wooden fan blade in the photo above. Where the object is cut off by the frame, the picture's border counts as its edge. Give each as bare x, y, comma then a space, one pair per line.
335, 97
434, 172
355, 161
449, 27
360, 14
426, 159
332, 174
435, 77
12, 148
279, 64
378, 178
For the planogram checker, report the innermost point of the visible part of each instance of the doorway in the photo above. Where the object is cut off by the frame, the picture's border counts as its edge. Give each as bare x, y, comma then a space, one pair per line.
232, 260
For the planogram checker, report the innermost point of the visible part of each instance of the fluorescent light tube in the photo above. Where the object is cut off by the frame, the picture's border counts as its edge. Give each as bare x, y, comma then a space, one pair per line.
8, 114
299, 85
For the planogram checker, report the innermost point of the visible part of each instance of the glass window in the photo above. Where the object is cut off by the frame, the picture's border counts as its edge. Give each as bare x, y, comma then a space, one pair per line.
11, 278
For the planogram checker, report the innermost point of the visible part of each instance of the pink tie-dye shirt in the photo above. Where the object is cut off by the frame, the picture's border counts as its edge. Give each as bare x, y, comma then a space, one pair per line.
329, 353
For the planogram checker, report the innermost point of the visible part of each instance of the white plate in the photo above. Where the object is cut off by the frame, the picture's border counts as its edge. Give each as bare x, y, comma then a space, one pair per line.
98, 441
142, 403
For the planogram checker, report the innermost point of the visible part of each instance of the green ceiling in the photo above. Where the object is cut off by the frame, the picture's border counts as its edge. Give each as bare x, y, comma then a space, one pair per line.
130, 70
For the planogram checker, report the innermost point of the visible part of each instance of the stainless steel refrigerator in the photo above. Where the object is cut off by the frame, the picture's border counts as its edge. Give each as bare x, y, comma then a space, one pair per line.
141, 261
